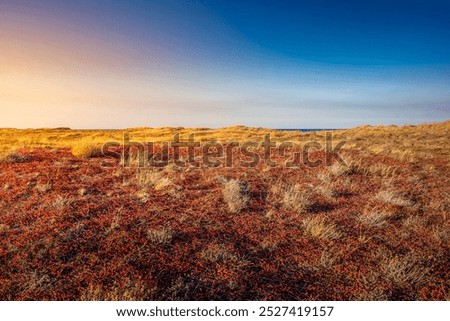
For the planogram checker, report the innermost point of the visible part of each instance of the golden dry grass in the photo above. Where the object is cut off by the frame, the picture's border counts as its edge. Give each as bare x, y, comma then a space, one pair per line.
160, 236
403, 142
394, 198
319, 227
235, 194
294, 198
217, 253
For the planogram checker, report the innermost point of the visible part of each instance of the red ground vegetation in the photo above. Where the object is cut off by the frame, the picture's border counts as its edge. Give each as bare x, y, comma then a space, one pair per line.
89, 229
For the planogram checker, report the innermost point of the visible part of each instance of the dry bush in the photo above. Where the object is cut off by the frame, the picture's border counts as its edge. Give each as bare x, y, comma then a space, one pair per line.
43, 188
429, 169
329, 259
415, 179
382, 170
37, 281
61, 202
404, 271
147, 178
269, 244
4, 228
115, 223
414, 222
162, 184
269, 214
84, 150
173, 168
438, 205
391, 197
327, 190
441, 234
338, 169
160, 236
217, 253
326, 260
143, 196
374, 218
324, 177
16, 158
133, 159
296, 199
131, 291
236, 195
318, 227
152, 178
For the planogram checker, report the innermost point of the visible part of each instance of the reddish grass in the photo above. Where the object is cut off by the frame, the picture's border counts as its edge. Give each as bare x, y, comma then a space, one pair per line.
89, 229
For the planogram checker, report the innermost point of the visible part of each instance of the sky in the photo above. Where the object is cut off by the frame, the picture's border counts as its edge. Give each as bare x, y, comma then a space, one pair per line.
280, 64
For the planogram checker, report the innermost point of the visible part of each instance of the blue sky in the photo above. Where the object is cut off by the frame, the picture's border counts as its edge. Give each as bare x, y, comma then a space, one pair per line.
282, 64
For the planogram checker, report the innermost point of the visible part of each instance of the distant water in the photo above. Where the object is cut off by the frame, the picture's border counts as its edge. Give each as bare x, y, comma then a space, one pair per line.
308, 129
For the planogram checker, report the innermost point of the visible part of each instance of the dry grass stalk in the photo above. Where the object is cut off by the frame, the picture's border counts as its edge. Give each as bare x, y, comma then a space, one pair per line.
16, 158
217, 253
236, 195
160, 236
297, 199
318, 227
87, 150
391, 197
405, 271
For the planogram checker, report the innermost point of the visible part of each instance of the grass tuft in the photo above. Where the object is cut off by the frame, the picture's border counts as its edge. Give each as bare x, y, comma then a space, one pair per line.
236, 195
17, 158
391, 197
86, 150
297, 199
160, 236
318, 227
